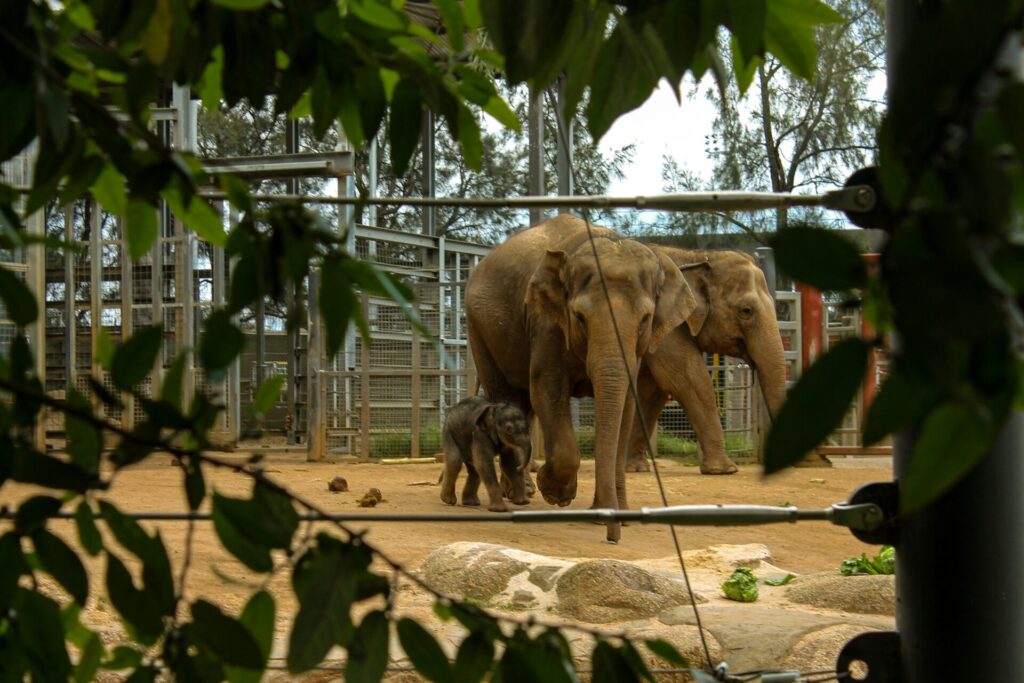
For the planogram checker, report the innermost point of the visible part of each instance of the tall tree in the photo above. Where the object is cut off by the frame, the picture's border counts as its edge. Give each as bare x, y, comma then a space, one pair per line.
785, 133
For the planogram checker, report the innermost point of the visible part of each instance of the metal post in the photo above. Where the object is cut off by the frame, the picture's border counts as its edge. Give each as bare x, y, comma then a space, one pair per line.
127, 323
535, 126
564, 144
428, 188
235, 370
315, 437
95, 296
364, 390
416, 390
217, 282
36, 280
291, 146
975, 529
70, 292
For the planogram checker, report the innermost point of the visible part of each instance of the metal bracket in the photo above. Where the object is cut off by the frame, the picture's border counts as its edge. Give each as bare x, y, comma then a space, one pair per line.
879, 651
868, 212
884, 495
858, 199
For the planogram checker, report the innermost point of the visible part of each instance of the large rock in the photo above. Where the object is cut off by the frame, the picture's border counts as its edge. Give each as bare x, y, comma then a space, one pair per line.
600, 591
870, 594
818, 651
478, 571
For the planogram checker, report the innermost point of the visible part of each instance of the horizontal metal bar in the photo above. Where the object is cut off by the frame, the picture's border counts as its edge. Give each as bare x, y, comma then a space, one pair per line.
854, 516
856, 198
298, 165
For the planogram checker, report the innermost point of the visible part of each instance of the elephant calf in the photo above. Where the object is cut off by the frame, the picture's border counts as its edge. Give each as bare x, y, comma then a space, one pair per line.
476, 431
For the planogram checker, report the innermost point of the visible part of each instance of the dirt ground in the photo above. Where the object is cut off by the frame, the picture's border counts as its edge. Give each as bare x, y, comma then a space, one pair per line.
156, 485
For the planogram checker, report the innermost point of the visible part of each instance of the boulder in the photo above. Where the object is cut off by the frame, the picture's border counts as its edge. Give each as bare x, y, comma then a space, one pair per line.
818, 650
864, 594
477, 571
601, 591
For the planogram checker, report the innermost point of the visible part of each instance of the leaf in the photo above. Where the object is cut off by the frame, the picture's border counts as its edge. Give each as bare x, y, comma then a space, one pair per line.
338, 303
132, 604
30, 467
324, 583
746, 21
33, 513
816, 404
780, 581
820, 258
88, 534
225, 637
258, 618
122, 657
423, 651
156, 37
900, 403
469, 139
252, 555
109, 190
221, 342
198, 216
241, 5
170, 389
156, 567
953, 439
11, 568
475, 657
41, 634
195, 485
404, 124
134, 359
90, 659
368, 650
610, 666
268, 394
140, 228
84, 438
21, 305
62, 563
667, 651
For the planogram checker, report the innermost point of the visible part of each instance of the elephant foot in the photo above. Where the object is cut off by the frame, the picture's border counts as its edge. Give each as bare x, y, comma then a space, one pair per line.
638, 464
614, 533
521, 501
497, 507
725, 466
448, 498
472, 502
555, 492
535, 465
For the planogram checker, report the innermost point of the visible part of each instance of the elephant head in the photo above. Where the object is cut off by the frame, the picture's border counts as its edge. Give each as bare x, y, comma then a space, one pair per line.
649, 298
735, 314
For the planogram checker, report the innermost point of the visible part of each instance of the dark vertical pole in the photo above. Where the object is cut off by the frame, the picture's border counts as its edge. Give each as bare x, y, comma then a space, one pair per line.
291, 146
565, 145
535, 126
428, 189
959, 599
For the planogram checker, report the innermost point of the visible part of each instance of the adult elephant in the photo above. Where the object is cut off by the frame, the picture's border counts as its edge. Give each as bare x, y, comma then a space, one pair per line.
734, 316
540, 331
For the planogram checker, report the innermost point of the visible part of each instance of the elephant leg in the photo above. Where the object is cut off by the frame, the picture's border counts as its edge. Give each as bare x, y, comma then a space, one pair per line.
452, 467
469, 491
513, 482
682, 370
549, 393
652, 400
483, 462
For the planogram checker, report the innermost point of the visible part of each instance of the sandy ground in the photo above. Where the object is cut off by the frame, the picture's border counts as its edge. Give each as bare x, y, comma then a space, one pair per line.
156, 485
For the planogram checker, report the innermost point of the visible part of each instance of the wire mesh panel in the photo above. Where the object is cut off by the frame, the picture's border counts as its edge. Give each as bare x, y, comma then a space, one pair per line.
843, 322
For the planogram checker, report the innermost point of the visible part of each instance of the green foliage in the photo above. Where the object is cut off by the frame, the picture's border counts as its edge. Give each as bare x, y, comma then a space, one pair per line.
741, 586
780, 581
81, 79
882, 563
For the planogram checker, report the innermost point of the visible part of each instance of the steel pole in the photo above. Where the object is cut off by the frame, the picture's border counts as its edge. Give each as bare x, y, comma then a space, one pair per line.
535, 126
959, 560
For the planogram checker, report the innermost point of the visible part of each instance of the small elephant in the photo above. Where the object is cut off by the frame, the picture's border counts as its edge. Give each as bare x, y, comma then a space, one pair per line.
476, 431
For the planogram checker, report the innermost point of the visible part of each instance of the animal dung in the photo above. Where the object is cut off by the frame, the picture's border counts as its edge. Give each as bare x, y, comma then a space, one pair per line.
338, 485
370, 498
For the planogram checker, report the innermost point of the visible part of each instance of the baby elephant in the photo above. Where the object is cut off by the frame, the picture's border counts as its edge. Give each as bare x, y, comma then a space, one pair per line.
477, 430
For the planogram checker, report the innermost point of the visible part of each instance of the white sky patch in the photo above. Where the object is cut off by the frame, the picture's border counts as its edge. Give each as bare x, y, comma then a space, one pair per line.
658, 127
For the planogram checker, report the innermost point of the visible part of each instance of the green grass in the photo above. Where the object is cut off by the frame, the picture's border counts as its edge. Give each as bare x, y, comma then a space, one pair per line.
399, 444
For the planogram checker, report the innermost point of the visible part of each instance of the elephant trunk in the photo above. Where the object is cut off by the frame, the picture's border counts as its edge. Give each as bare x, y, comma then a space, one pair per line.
769, 358
611, 387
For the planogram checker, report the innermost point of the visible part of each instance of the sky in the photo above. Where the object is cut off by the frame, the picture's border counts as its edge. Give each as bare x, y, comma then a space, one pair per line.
662, 126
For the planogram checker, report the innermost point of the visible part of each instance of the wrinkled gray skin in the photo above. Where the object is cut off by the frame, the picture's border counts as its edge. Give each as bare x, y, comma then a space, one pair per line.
475, 432
734, 316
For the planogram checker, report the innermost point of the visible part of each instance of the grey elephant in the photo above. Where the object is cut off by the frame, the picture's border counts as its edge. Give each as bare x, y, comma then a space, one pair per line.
540, 331
734, 316
475, 432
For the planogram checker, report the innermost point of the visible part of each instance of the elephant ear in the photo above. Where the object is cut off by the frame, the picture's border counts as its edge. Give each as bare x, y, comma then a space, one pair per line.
483, 417
697, 277
546, 292
676, 302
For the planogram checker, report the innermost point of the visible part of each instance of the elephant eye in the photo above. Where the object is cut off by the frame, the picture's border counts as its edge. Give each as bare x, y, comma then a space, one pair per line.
746, 312
582, 322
